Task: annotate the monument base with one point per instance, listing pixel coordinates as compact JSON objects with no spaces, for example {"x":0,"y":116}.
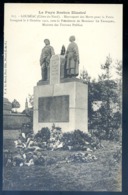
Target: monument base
{"x":64,"y":104}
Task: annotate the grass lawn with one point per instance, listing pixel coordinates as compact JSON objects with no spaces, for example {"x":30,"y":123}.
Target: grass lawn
{"x":101,"y":175}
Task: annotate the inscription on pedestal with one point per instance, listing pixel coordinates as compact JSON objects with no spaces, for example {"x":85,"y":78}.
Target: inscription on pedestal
{"x":53,"y":109}
{"x":55,"y":69}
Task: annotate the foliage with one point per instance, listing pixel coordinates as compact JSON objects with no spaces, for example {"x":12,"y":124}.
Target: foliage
{"x":79,"y":140}
{"x":31,"y":100}
{"x":66,"y":176}
{"x":119,"y":68}
{"x":29,"y":113}
{"x":107,"y":119}
{"x":114,"y":134}
{"x":85,"y":77}
{"x":109,"y":96}
{"x":15,"y":105}
{"x":44,"y":134}
{"x":73,"y":138}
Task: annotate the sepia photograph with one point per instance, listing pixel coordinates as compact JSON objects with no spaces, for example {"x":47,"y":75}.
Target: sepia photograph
{"x":62,"y":97}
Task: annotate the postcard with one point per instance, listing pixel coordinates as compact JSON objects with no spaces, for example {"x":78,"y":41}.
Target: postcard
{"x":62,"y":101}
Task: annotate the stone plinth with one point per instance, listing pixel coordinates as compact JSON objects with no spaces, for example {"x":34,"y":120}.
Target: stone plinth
{"x":62,"y":101}
{"x":57,"y":64}
{"x":64,"y":104}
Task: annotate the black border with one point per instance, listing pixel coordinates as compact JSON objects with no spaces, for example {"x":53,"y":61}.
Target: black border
{"x":125,"y":92}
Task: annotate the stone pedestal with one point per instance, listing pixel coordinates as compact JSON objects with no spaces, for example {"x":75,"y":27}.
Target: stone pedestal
{"x":63,"y":102}
{"x":57,"y":64}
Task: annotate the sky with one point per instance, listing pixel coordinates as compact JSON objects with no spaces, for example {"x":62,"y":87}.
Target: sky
{"x":25,"y":41}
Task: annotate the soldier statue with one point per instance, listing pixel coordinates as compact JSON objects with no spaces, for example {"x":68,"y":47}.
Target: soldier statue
{"x":72,"y":59}
{"x":45,"y":57}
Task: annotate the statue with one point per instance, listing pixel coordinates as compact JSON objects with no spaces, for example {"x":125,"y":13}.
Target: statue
{"x":72,"y":59}
{"x":45,"y":57}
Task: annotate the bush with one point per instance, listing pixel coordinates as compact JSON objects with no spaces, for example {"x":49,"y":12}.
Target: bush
{"x":67,"y":139}
{"x":106,"y":127}
{"x":113,"y":134}
{"x":43,"y":134}
{"x":101,"y":134}
{"x":78,"y":139}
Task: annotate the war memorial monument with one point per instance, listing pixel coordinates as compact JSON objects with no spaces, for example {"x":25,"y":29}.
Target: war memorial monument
{"x":59,"y":97}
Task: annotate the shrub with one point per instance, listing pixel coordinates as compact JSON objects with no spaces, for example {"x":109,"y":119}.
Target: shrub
{"x":114,"y":134}
{"x":44,"y":134}
{"x":78,"y":139}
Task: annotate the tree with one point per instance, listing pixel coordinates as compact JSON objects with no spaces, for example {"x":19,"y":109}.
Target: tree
{"x":85,"y":77}
{"x":105,"y":120}
{"x":109,"y":97}
{"x":31,"y":100}
{"x":15,"y":105}
{"x":118,"y":68}
{"x":104,"y":81}
{"x":29,"y":107}
{"x":29,"y":111}
{"x":93,"y":95}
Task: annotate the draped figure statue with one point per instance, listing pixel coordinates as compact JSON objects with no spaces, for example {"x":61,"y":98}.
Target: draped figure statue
{"x":72,"y":59}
